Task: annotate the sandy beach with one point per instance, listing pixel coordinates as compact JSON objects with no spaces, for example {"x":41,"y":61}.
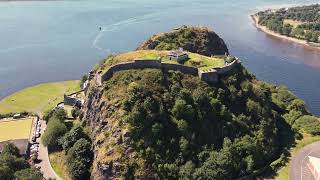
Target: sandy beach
{"x":255,"y":19}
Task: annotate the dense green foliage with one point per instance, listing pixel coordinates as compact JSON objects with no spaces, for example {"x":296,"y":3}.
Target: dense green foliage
{"x":79,"y":159}
{"x":308,"y":29}
{"x":13,"y":166}
{"x":57,"y":113}
{"x":29,"y":174}
{"x":183,"y":127}
{"x":310,"y":124}
{"x":55,"y":130}
{"x":71,"y":137}
{"x":193,"y":39}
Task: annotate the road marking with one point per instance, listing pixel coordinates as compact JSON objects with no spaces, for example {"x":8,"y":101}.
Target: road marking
{"x":302,"y":163}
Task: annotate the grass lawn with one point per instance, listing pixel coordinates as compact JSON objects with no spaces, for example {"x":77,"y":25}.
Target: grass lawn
{"x":59,"y":164}
{"x":151,"y":56}
{"x":15,"y":129}
{"x":38,"y":98}
{"x":195,"y":60}
{"x":283,"y":173}
{"x":292,"y":22}
{"x":204,"y":62}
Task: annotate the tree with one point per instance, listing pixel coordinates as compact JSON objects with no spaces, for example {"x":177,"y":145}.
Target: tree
{"x":286,"y":30}
{"x":308,"y":35}
{"x":29,"y":174}
{"x":72,"y":137}
{"x":11,"y":149}
{"x":315,"y":36}
{"x":55,"y":130}
{"x":58,"y":113}
{"x":79,"y":159}
{"x":182,"y":110}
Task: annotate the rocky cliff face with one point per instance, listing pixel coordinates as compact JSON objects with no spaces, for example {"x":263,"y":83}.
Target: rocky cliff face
{"x":199,"y":40}
{"x":104,"y":119}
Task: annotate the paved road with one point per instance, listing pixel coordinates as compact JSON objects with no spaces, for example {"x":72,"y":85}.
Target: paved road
{"x":45,"y":165}
{"x":298,"y":164}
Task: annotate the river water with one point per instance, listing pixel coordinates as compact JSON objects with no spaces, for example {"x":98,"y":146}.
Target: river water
{"x":60,"y":40}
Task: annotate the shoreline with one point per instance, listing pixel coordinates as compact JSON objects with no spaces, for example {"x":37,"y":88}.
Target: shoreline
{"x":264,"y":29}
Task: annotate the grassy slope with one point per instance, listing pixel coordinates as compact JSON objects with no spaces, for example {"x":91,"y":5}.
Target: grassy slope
{"x":16,"y":129}
{"x":283,"y":173}
{"x":59,"y":164}
{"x":38,"y":98}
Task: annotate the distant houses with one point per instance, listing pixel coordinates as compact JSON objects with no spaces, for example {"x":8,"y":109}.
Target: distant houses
{"x":180,"y":55}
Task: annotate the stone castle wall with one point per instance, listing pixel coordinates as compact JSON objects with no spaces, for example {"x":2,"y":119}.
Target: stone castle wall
{"x":210,"y":76}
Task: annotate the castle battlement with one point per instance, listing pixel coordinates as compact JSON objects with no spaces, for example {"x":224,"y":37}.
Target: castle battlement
{"x":210,"y":76}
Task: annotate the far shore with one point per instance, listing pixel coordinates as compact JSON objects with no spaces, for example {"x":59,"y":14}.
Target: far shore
{"x":255,"y":19}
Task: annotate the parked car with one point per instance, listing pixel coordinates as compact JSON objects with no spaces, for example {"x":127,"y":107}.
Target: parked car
{"x":37,"y":135}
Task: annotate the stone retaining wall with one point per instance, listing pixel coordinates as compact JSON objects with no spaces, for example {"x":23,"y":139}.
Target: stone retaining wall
{"x":210,"y":76}
{"x":71,"y":101}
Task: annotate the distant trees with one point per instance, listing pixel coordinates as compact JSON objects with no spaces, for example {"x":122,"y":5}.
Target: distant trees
{"x":309,"y":29}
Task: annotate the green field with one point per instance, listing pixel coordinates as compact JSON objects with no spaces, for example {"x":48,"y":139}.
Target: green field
{"x":38,"y":98}
{"x":15,"y":129}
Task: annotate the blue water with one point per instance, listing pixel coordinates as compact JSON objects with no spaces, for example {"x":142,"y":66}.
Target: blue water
{"x":60,"y":40}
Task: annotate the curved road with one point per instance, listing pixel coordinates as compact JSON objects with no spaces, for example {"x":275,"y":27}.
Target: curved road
{"x":298,"y":164}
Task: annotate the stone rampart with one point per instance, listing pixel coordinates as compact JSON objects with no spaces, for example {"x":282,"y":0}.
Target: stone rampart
{"x":227,"y":67}
{"x":210,"y":76}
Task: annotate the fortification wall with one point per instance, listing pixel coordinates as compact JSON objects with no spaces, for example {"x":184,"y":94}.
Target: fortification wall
{"x":227,"y":67}
{"x":178,"y":67}
{"x":210,"y":76}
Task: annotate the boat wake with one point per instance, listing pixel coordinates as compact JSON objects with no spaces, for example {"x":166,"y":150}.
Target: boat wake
{"x":121,"y":24}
